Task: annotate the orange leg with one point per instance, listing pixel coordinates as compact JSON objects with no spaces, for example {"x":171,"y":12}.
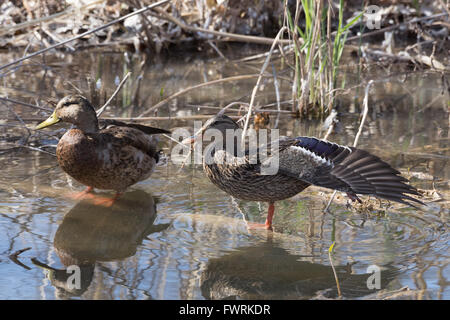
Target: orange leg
{"x":269,"y":218}
{"x":106,"y":202}
{"x":86,"y":193}
{"x":268,"y":224}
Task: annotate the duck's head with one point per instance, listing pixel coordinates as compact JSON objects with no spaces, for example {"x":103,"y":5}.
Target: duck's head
{"x":219,"y":122}
{"x":74,"y":109}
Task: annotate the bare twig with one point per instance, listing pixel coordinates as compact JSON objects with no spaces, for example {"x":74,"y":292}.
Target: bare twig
{"x":181,"y":92}
{"x":56,"y":38}
{"x":365,"y":111}
{"x":259,"y":110}
{"x":19,"y":65}
{"x":100,"y":111}
{"x":38,"y":149}
{"x":255,"y":89}
{"x":74,"y":87}
{"x":25,"y":104}
{"x":330,"y":201}
{"x":329,"y":131}
{"x":277,"y":94}
{"x":262,"y":55}
{"x":217,"y":50}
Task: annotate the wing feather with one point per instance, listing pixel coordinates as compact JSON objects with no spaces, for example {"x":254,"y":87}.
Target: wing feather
{"x":342,"y":168}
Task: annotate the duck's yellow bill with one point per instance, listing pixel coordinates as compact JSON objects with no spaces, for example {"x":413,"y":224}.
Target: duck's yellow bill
{"x":50,"y":121}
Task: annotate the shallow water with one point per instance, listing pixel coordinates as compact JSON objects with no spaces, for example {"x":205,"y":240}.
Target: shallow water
{"x":176,"y":236}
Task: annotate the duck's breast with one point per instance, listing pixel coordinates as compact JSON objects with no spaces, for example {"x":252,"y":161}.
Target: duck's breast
{"x":103,"y":161}
{"x":77,"y":155}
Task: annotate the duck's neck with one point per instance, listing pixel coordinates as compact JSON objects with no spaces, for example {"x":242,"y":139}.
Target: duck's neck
{"x":88,"y":125}
{"x":235,"y":145}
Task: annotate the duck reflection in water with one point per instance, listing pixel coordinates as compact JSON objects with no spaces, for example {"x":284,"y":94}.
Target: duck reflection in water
{"x":267,"y":271}
{"x":91,"y":233}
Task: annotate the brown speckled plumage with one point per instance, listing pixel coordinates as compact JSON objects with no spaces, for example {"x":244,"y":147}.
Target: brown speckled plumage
{"x":303,"y":161}
{"x":114,"y":157}
{"x":245,"y":182}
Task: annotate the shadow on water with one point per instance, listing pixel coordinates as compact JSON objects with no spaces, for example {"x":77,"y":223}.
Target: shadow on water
{"x":90,"y":233}
{"x":267,"y":271}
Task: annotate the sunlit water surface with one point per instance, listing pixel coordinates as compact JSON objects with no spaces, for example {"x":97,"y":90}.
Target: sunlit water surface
{"x":177,"y":236}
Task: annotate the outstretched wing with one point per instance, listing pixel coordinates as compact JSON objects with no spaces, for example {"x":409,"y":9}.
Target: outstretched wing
{"x":342,"y":168}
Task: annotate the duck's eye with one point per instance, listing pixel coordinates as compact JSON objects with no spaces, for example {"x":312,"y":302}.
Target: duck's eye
{"x":66,"y":104}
